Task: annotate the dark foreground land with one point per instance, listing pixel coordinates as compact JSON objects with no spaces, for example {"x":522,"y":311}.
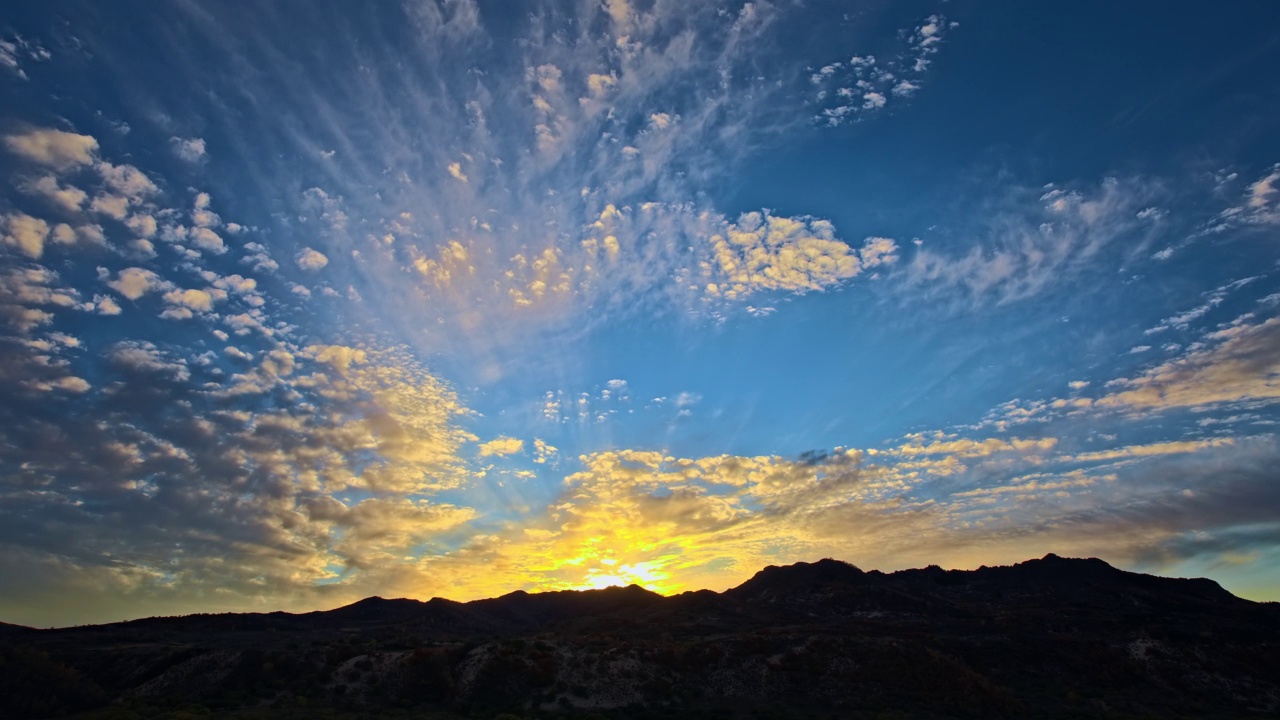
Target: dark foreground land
{"x":1049,"y":638}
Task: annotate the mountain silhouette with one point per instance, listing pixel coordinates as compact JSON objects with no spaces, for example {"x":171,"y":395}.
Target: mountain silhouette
{"x":1051,"y":637}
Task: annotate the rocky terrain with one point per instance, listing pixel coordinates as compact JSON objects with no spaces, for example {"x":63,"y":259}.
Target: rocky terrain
{"x":1052,"y":638}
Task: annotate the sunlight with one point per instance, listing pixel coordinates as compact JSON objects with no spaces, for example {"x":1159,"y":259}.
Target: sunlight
{"x":643,"y":574}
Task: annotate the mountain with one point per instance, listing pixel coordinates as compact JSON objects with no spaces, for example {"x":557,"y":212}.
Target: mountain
{"x":1052,"y":637}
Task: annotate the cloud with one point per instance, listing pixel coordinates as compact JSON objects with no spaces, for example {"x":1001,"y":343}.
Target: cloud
{"x":113,"y":206}
{"x":25,"y":233}
{"x":1176,"y":447}
{"x":72,"y":384}
{"x":376,"y":530}
{"x":671,"y":523}
{"x":847,"y":89}
{"x":105,"y":305}
{"x":191,"y":150}
{"x":126,"y":181}
{"x":202,"y":216}
{"x":53,"y":148}
{"x":763,"y":252}
{"x":25,"y":292}
{"x":1025,"y":246}
{"x":526,"y":266}
{"x":134,"y":282}
{"x":259,"y":258}
{"x":340,"y":357}
{"x":251,"y":497}
{"x":68,"y":198}
{"x":450,"y":23}
{"x":1262,"y":194}
{"x":144,"y":358}
{"x":197,"y":300}
{"x":311,"y":259}
{"x":261,"y":453}
{"x":1260,"y":205}
{"x":208,"y":240}
{"x":15,"y":49}
{"x":655,"y":254}
{"x":1234,"y":365}
{"x":143,"y":225}
{"x":501,"y":446}
{"x":1239,"y":363}
{"x":1213,"y":299}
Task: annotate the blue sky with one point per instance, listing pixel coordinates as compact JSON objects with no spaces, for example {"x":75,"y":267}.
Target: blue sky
{"x":304,"y":302}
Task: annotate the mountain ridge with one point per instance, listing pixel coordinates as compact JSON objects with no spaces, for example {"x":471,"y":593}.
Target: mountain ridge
{"x":811,"y":637}
{"x":825,"y":568}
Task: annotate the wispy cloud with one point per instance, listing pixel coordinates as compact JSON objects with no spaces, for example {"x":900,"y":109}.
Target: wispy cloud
{"x":16,"y":50}
{"x":584,"y":194}
{"x":1036,"y":239}
{"x":1259,"y":206}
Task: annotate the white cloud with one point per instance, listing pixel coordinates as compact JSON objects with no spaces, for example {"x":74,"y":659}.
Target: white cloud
{"x":455,"y":169}
{"x":92,"y":234}
{"x":73,"y":384}
{"x":25,"y":233}
{"x":127,"y":181}
{"x":339,"y":357}
{"x":190,"y":149}
{"x":134,"y":282}
{"x":208,"y":240}
{"x":202,"y":216}
{"x":501,"y":446}
{"x":54,"y":148}
{"x":142,"y":249}
{"x":878,"y":251}
{"x":237,"y":284}
{"x":105,"y":305}
{"x":68,"y":198}
{"x":63,"y":234}
{"x":115,"y":207}
{"x":197,"y":300}
{"x":330,"y":208}
{"x":143,"y":225}
{"x":311,"y":259}
{"x":258,"y":258}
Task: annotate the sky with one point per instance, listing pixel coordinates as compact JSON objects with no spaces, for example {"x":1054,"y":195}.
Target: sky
{"x":303,"y":302}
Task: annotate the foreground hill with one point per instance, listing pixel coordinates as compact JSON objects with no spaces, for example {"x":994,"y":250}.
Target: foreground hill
{"x":1052,"y":637}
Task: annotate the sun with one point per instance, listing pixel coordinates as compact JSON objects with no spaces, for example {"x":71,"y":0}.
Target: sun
{"x":644,"y":574}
